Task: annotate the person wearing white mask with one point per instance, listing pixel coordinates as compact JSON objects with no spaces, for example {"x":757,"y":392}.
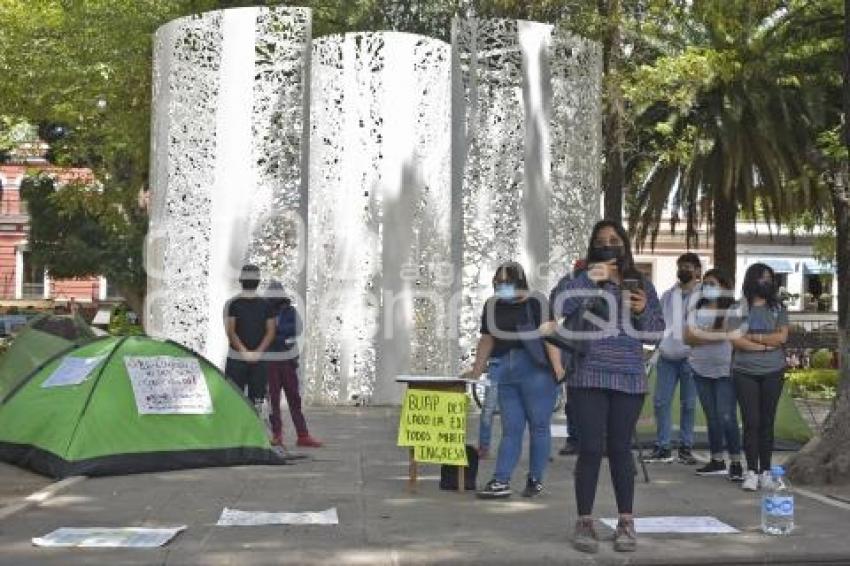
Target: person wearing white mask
{"x":525,"y":368}
{"x":710,"y":360}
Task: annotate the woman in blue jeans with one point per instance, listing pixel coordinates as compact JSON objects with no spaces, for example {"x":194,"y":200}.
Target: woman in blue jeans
{"x":710,"y":359}
{"x":525,"y":369}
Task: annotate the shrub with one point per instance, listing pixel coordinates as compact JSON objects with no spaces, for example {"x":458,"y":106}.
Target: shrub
{"x":813,"y":382}
{"x":120,"y":325}
{"x":822,"y":359}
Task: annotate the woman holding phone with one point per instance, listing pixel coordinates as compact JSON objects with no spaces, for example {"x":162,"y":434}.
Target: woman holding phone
{"x":609,"y":383}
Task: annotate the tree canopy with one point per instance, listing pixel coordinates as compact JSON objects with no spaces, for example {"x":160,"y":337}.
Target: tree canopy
{"x":730,"y":110}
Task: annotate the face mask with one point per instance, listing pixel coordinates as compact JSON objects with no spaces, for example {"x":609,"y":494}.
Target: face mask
{"x":684,"y":276}
{"x":766,"y":289}
{"x":506,"y":291}
{"x":711,"y":292}
{"x":606,"y":253}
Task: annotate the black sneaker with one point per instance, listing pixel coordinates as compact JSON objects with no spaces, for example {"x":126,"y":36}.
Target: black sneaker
{"x":713,"y":468}
{"x":570,"y":448}
{"x":685,"y":456}
{"x":533,"y":488}
{"x":736,"y":472}
{"x":664,"y":455}
{"x":495,"y":489}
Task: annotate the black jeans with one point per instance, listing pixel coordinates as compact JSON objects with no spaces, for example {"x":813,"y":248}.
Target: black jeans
{"x":570,"y":412}
{"x":253,"y":376}
{"x":613,"y":414}
{"x":758,"y":396}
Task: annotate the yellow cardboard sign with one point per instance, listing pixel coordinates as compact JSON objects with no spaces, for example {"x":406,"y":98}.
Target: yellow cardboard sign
{"x":434,"y":424}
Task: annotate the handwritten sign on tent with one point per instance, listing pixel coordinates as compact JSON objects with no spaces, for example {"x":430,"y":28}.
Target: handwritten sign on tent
{"x":166,"y":385}
{"x":433,"y":423}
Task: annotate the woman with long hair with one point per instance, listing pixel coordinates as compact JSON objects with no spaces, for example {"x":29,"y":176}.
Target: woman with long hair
{"x":758,"y":369}
{"x":710,"y":359}
{"x":525,"y":367}
{"x":609,"y":383}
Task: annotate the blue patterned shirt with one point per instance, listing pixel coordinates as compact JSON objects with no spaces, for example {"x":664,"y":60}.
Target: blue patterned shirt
{"x":614,"y":360}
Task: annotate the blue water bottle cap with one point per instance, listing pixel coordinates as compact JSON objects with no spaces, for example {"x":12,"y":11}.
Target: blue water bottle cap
{"x":777,"y":471}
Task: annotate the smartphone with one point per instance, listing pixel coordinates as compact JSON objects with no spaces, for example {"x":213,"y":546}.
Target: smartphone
{"x":631,"y":284}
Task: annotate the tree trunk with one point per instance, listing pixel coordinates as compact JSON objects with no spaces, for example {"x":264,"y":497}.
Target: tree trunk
{"x":725,"y":216}
{"x":613,"y":174}
{"x":826,"y":458}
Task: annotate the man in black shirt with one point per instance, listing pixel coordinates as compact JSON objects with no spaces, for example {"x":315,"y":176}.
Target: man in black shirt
{"x":250,"y":324}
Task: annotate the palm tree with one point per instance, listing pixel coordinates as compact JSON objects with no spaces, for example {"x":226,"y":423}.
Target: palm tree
{"x":729,"y":124}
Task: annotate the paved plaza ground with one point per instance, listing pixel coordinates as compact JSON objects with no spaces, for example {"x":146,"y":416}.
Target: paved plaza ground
{"x":364,"y":475}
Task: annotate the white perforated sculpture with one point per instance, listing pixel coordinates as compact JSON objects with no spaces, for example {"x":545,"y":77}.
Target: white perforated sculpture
{"x":381,"y":177}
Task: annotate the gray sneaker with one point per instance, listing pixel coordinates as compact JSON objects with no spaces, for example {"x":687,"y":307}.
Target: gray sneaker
{"x":585,"y":538}
{"x":625,"y":538}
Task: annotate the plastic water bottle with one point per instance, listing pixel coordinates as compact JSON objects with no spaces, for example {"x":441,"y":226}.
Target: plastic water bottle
{"x":777,"y":505}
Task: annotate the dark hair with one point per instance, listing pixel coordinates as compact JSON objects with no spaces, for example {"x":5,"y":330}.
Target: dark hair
{"x":249,"y":277}
{"x":723,"y":303}
{"x":750,"y":287}
{"x":628,"y":263}
{"x":514,"y":273}
{"x":275,"y":295}
{"x":691,"y":258}
{"x":719,"y":274}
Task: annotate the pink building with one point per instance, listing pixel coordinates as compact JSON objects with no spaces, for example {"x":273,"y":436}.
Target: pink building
{"x":22,"y":283}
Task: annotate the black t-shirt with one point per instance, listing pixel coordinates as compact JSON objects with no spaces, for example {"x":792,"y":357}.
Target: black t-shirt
{"x":251,"y":314}
{"x":504,"y":316}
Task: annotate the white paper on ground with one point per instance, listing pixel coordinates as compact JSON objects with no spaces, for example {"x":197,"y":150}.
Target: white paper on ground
{"x":559,"y":431}
{"x":693,"y":525}
{"x":237,"y":518}
{"x":72,"y":371}
{"x":127,"y":537}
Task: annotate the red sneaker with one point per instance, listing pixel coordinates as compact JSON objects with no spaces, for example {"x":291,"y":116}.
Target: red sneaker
{"x":308,"y":442}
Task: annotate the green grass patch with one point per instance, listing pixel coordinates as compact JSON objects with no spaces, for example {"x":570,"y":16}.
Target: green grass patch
{"x":813,"y":383}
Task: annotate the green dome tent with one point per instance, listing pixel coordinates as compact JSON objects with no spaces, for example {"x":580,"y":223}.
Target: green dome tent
{"x":41,"y":339}
{"x":129,"y":405}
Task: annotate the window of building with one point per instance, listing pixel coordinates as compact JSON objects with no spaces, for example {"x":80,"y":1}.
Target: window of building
{"x":112,"y":292}
{"x":817,"y":292}
{"x":33,"y":278}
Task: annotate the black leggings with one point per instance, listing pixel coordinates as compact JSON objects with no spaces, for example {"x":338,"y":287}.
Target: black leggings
{"x":758,"y":396}
{"x":600,"y":412}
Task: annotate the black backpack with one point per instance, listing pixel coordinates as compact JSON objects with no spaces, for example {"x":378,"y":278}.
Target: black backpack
{"x":448,"y":473}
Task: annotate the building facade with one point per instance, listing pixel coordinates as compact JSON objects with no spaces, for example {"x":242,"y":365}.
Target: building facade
{"x":22,"y":282}
{"x":809,"y":285}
